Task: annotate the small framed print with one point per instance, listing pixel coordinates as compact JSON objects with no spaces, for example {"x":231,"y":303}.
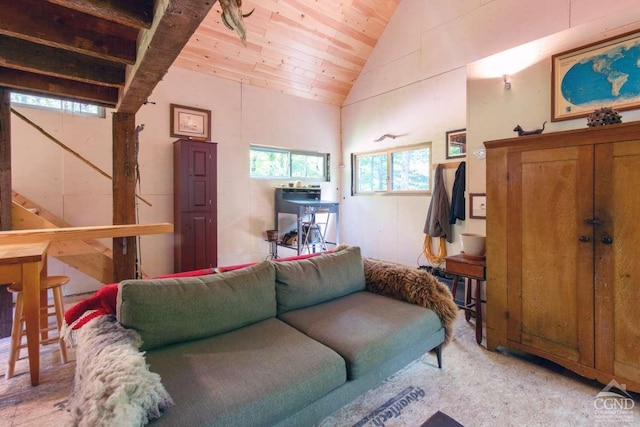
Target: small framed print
{"x":189,"y":122}
{"x":478,"y":205}
{"x":456,"y":143}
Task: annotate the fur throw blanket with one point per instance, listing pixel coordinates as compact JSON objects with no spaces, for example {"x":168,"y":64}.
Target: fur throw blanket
{"x":412,"y":285}
{"x":113,"y":387}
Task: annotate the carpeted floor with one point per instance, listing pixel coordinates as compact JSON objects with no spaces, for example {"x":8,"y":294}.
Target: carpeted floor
{"x":475,"y":387}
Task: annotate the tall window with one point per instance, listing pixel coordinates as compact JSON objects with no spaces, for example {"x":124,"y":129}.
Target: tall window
{"x":275,"y":163}
{"x":402,"y":169}
{"x":57,"y":104}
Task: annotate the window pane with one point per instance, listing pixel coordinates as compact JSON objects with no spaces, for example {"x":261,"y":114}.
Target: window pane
{"x":307,"y":166}
{"x":372,"y":173}
{"x":410,"y":170}
{"x":264,"y":163}
{"x":57,"y":104}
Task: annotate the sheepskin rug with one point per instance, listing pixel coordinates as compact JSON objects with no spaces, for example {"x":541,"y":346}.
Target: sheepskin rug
{"x":113,"y":387}
{"x":412,"y":285}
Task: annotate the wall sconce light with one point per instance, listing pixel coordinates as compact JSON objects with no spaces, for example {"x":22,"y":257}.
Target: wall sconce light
{"x":507,"y":83}
{"x":480,"y":153}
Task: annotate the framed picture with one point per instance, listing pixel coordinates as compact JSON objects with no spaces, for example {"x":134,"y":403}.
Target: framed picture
{"x":602,"y":74}
{"x":189,"y":122}
{"x":456,"y":143}
{"x":478,"y":205}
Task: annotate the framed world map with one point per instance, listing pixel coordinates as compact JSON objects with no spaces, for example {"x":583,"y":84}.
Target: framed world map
{"x":602,"y":74}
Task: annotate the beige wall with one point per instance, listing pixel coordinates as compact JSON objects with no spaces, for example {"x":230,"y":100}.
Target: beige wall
{"x":423,"y":79}
{"x":416,"y":83}
{"x":240,"y":115}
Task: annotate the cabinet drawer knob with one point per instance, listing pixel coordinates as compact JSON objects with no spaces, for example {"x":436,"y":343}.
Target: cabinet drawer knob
{"x":607,"y":240}
{"x":585,"y":239}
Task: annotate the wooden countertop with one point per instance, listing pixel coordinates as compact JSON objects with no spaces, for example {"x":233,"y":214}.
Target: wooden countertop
{"x":23,"y":252}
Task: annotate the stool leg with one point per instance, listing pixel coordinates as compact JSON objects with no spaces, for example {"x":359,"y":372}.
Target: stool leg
{"x":59,"y":307}
{"x":44,"y":318}
{"x":16,"y":338}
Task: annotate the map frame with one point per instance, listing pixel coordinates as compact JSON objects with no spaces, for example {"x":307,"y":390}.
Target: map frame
{"x":561,"y":108}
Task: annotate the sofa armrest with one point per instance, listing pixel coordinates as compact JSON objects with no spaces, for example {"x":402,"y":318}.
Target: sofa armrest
{"x":414,"y":286}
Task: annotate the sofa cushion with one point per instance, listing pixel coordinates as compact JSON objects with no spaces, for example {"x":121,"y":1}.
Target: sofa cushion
{"x":303,"y":283}
{"x":257,"y":375}
{"x":168,"y":311}
{"x":366,"y":329}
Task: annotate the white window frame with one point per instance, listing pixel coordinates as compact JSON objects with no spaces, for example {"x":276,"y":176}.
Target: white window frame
{"x":388,"y":185}
{"x":324,"y":156}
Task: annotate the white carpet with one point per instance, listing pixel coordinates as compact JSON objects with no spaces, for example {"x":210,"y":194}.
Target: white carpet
{"x":477,"y":387}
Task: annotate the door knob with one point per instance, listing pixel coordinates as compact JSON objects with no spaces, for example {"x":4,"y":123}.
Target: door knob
{"x":606,"y":239}
{"x":585,"y":239}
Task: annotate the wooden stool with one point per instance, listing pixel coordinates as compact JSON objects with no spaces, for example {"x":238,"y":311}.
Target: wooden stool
{"x":54,"y":283}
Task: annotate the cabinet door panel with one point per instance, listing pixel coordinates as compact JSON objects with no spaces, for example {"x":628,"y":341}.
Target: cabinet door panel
{"x":198,"y":241}
{"x":551,"y":283}
{"x":201,"y":168}
{"x":618,"y":259}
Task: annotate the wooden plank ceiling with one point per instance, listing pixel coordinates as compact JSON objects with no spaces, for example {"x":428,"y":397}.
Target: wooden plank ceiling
{"x":108,"y":52}
{"x":114,"y":52}
{"x":309,"y":48}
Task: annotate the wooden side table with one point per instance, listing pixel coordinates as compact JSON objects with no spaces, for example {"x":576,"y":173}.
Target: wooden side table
{"x":471,"y":268}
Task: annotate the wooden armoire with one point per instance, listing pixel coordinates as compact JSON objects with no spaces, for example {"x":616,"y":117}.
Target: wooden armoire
{"x":195,"y":205}
{"x":563,"y":249}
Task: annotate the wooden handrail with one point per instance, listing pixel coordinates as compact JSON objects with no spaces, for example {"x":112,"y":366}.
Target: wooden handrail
{"x":69,"y":150}
{"x":82,"y":233}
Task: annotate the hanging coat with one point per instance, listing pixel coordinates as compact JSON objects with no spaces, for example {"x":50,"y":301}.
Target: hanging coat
{"x":457,"y":195}
{"x":437,"y":223}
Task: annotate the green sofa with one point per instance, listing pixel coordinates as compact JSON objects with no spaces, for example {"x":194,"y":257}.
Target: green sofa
{"x":276,"y":343}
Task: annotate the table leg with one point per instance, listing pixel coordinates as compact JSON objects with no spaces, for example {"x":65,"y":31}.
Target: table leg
{"x":31,"y":298}
{"x":478,"y":313}
{"x":467,"y":297}
{"x":454,"y":287}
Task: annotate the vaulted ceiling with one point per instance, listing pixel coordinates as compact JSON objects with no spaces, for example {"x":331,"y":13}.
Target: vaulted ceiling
{"x":309,"y":48}
{"x":114,"y":52}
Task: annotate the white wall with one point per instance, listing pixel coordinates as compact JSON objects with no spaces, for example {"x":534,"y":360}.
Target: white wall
{"x":493,"y":112}
{"x":415,"y":82}
{"x":240,"y":115}
{"x":422,"y":79}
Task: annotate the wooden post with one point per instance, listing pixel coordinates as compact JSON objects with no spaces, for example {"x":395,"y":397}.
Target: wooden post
{"x":6,"y":299}
{"x":124,"y":193}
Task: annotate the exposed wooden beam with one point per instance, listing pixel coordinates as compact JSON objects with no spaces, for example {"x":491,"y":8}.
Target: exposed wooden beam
{"x":68,"y":29}
{"x":5,"y":158}
{"x":40,"y":84}
{"x":125,"y":164}
{"x":32,"y":57}
{"x":6,"y":300}
{"x":173,"y":24}
{"x":132,"y":13}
